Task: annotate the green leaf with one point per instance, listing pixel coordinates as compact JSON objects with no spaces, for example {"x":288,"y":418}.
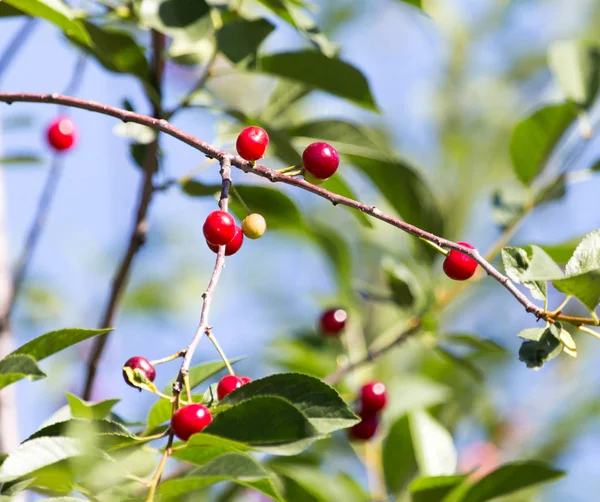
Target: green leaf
{"x":462,"y":363}
{"x":405,"y":287}
{"x":285,"y":94}
{"x":41,"y":452}
{"x":414,"y":3}
{"x":561,"y":252}
{"x":46,"y":345}
{"x":336,"y":184}
{"x":86,"y":409}
{"x":269,"y":423}
{"x":291,"y":12}
{"x":297,"y":355}
{"x":541,"y":346}
{"x":334,"y":247}
{"x":235,"y":467}
{"x":76,"y":427}
{"x":241,"y":38}
{"x":576,"y":66}
{"x":321,"y":404}
{"x":434,"y":488}
{"x":16,"y":367}
{"x":398,"y":456}
{"x":17,"y":160}
{"x":56,"y":12}
{"x":203,"y":448}
{"x":433,"y":444}
{"x":507,"y":479}
{"x":117,"y":51}
{"x":534,"y":138}
{"x":321,"y":72}
{"x":583,"y":272}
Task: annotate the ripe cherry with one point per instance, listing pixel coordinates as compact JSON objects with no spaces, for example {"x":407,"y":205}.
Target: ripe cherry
{"x":254,"y":226}
{"x":61,"y":134}
{"x":365,"y":429}
{"x":233,"y":246}
{"x":252,"y":143}
{"x":227,"y":385}
{"x":142,"y":364}
{"x":321,"y":160}
{"x":189,"y":420}
{"x":373,"y":398}
{"x":219,"y":228}
{"x":459,"y":266}
{"x":333,"y":321}
{"x":245,"y":380}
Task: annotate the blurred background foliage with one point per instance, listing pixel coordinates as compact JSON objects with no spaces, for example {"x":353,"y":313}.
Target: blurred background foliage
{"x":472,"y":119}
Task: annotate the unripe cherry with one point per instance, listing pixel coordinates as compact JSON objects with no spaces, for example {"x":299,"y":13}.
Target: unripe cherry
{"x":142,"y":364}
{"x":311,"y":179}
{"x":333,"y":321}
{"x":189,"y":420}
{"x":459,"y":266}
{"x":321,"y":160}
{"x":254,"y":226}
{"x":373,"y":398}
{"x":233,"y":246}
{"x":219,"y":228}
{"x":252,"y":143}
{"x":61,"y":134}
{"x":365,"y":429}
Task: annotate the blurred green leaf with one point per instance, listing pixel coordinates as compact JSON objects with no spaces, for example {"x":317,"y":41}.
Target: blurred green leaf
{"x":269,"y":423}
{"x":285,"y":94}
{"x":475,"y":342}
{"x":203,"y":448}
{"x":56,"y":12}
{"x":433,"y":489}
{"x":298,"y":356}
{"x":318,"y":402}
{"x":334,"y":247}
{"x":433,"y":445}
{"x":336,"y":184}
{"x":241,"y":38}
{"x":331,"y":75}
{"x":398,"y":456}
{"x":534,"y":138}
{"x":18,"y":160}
{"x":85,"y":409}
{"x":462,"y":363}
{"x":16,"y":367}
{"x":507,"y":479}
{"x":404,"y":285}
{"x":576,"y":66}
{"x":235,"y":467}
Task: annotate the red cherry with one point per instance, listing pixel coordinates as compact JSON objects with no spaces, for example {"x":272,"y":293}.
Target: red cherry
{"x":189,"y":420}
{"x":252,"y":143}
{"x":321,"y":160}
{"x":333,"y":321}
{"x":219,"y":228}
{"x":227,"y":385}
{"x":373,"y":398}
{"x":365,"y":429}
{"x":245,"y":380}
{"x":233,"y":246}
{"x":459,"y":266}
{"x":142,"y":364}
{"x":61,"y":134}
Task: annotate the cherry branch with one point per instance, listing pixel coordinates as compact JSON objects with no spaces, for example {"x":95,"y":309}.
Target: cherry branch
{"x":275,"y":177}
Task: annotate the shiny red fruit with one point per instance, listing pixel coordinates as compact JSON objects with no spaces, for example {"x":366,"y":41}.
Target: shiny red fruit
{"x":142,"y":364}
{"x":333,"y":321}
{"x":365,"y":429}
{"x":189,"y":420}
{"x":321,"y":160}
{"x":373,"y":398}
{"x":459,"y":266}
{"x":252,"y":143}
{"x":245,"y":380}
{"x":61,"y":134}
{"x":233,"y":246}
{"x":219,"y":228}
{"x":227,"y":385}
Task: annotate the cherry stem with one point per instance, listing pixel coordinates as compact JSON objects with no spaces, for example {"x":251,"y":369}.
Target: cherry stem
{"x":589,"y":331}
{"x":439,"y":249}
{"x":214,"y":341}
{"x":559,"y":309}
{"x":167,"y":359}
{"x":240,"y":199}
{"x":290,"y":169}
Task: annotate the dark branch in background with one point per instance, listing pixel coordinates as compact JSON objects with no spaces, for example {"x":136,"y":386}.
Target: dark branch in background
{"x":16,"y":44}
{"x":139,"y":230}
{"x":264,"y":172}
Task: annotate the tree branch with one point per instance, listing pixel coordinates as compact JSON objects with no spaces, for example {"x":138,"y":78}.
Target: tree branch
{"x":264,"y":172}
{"x":137,"y":236}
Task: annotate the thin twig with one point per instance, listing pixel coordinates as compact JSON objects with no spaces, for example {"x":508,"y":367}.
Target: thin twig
{"x":137,"y":236}
{"x":372,"y":354}
{"x":264,"y":172}
{"x":16,"y":44}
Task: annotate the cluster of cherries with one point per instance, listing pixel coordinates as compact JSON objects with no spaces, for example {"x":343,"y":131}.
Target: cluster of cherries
{"x":372,"y":397}
{"x":191,"y":418}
